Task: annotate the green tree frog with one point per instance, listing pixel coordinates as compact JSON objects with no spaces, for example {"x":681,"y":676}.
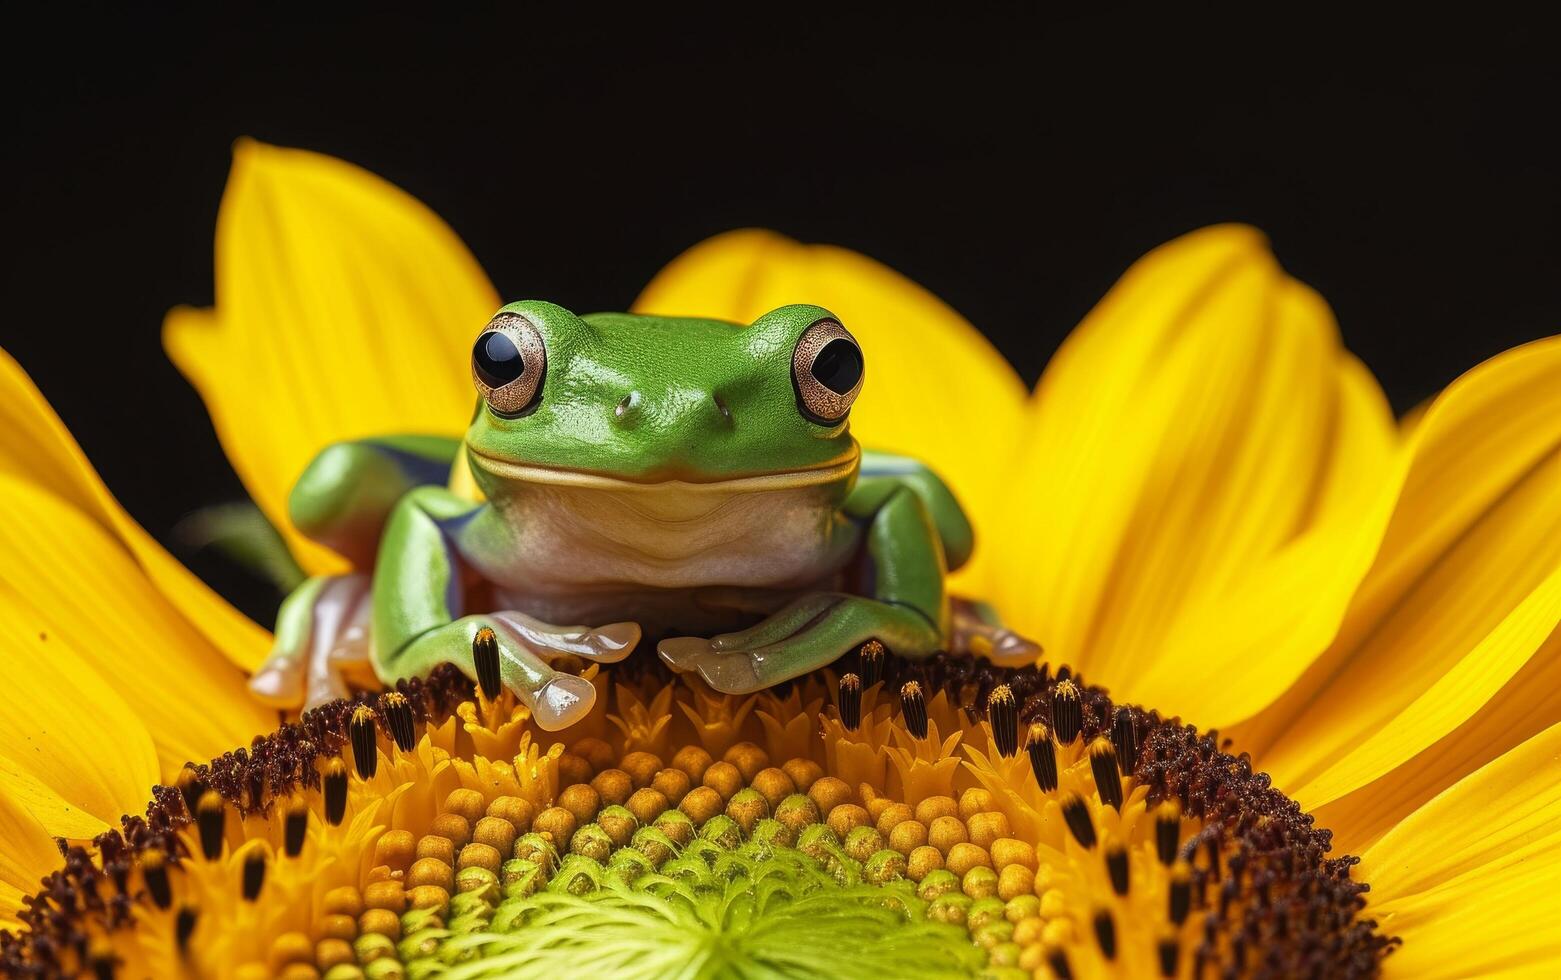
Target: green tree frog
{"x":690,"y":480}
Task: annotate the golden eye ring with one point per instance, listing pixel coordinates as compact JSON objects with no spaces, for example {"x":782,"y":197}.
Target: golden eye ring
{"x":827,"y":370}
{"x":509,"y":361}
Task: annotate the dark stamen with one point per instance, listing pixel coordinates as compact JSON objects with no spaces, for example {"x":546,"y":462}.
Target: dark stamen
{"x":191,"y":786}
{"x":1168,"y":830}
{"x":254,"y":874}
{"x":1043,"y":757}
{"x":1230,"y":890}
{"x":1189,"y":849}
{"x":1116,"y":867}
{"x":1076,"y":815}
{"x":118,"y":869}
{"x":398,"y":715}
{"x":913,"y":707}
{"x":183,"y":926}
{"x":970,"y":702}
{"x":294,"y":827}
{"x":485,"y":657}
{"x":103,"y":960}
{"x":1067,"y":712}
{"x":870,"y":662}
{"x":1106,"y":934}
{"x":335,"y":781}
{"x":154,"y":871}
{"x":1002,"y":711}
{"x":1057,"y":959}
{"x":1124,"y":735}
{"x":209,"y":814}
{"x":850,"y":702}
{"x":365,"y":751}
{"x":1180,"y":896}
{"x":1170,"y":952}
{"x":1108,"y":780}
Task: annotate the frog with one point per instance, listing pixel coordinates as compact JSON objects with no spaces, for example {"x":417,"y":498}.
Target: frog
{"x":685,"y":483}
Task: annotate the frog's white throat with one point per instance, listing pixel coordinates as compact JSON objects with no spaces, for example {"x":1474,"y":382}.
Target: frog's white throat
{"x":574,"y":532}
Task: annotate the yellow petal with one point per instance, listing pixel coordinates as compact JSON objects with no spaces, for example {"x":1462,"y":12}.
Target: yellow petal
{"x":1456,"y":602}
{"x":935,"y":390}
{"x":35,"y":447}
{"x":79,"y":587}
{"x":1188,"y":436}
{"x":1480,"y":683}
{"x":53,"y":808}
{"x":1528,"y":702}
{"x":1231,"y":654}
{"x":1471,"y":881}
{"x":1505,"y":804}
{"x":67,"y":730}
{"x":345,"y":308}
{"x":27,"y":856}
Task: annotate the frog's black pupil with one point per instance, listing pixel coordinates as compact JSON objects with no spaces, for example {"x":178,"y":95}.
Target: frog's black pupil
{"x":838,"y":366}
{"x":497,"y":359}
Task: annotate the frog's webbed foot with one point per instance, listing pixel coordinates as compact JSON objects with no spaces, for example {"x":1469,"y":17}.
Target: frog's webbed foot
{"x":807,"y":634}
{"x":526,"y":648}
{"x":603,"y":644}
{"x":322,"y":650}
{"x":978,"y":632}
{"x":321,"y":646}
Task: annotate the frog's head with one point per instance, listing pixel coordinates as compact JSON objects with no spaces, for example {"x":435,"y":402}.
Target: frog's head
{"x":620,"y":397}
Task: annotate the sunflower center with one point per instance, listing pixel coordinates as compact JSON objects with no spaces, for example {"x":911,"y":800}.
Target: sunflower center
{"x":720,"y":908}
{"x":942,"y":818}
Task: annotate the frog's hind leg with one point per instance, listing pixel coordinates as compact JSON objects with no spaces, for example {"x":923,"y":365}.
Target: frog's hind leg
{"x":346,"y":493}
{"x":342,"y":500}
{"x":321,"y":647}
{"x":976,"y":629}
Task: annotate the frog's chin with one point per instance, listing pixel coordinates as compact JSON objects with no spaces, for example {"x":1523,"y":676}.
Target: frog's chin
{"x":831,"y":471}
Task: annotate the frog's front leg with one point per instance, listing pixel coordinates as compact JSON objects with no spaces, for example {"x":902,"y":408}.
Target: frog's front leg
{"x":420,"y":620}
{"x":321,"y":647}
{"x":908,"y":611}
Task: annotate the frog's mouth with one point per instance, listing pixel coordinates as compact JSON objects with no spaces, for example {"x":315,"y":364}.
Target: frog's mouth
{"x":837,"y":469}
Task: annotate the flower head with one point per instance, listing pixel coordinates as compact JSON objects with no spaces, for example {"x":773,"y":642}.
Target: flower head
{"x":376,"y":832}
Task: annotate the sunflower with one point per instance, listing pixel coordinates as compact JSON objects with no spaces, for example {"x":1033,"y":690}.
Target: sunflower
{"x":1280,"y":628}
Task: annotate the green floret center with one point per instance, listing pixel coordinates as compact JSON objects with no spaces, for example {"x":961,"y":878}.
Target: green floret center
{"x":758,"y":910}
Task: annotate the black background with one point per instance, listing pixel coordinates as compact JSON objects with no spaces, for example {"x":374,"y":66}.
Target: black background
{"x":1011,"y":162}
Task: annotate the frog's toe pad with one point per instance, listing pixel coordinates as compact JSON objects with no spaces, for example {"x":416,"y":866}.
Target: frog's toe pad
{"x":563,"y":701}
{"x":615,"y":641}
{"x":279,"y":683}
{"x":1009,"y":647}
{"x":729,"y":672}
{"x":682,"y":653}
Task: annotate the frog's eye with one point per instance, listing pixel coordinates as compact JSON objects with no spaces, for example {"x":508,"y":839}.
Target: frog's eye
{"x":827,"y":370}
{"x":508,"y":362}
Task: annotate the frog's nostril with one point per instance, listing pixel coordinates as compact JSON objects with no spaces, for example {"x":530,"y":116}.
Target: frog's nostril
{"x":720,"y":406}
{"x":627,"y":407}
